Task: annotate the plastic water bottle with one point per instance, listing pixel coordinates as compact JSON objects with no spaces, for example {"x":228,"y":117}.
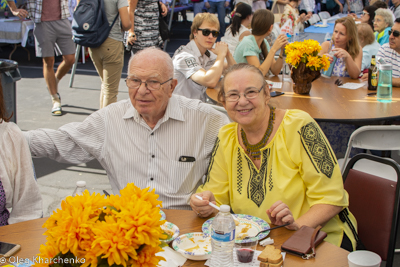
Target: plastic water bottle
{"x":222,"y":238}
{"x":289,"y":37}
{"x":296,"y":35}
{"x":328,"y":37}
{"x":384,"y":93}
{"x":80,"y":188}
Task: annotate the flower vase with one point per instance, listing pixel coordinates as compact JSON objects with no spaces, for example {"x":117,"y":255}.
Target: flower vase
{"x":302,"y":79}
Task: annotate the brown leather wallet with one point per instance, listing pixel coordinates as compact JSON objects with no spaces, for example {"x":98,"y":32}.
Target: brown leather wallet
{"x":303,"y":242}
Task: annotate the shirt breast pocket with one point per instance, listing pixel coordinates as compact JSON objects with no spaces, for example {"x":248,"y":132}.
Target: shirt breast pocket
{"x":181,"y":175}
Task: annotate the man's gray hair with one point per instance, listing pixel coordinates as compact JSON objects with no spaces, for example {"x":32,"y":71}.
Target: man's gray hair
{"x":386,"y":14}
{"x":152,"y":54}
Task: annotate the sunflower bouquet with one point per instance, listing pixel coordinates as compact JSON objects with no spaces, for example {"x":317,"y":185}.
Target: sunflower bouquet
{"x":91,"y":230}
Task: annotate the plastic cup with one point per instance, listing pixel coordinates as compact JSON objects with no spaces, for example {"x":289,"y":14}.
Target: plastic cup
{"x":324,"y":22}
{"x":245,"y":249}
{"x":364,"y":258}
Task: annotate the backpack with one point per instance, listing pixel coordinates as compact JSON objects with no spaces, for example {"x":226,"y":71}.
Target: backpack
{"x":90,"y":26}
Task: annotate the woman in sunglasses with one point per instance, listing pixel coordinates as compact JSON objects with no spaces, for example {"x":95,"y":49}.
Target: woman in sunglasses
{"x":199,"y":64}
{"x":255,"y":50}
{"x":265,"y":163}
{"x":367,"y":16}
{"x":345,"y":47}
{"x":382,"y":23}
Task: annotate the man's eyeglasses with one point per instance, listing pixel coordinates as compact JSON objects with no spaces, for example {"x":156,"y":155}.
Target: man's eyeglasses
{"x":206,"y":32}
{"x":365,"y":13}
{"x":152,"y":85}
{"x":395,"y":33}
{"x":250,"y":93}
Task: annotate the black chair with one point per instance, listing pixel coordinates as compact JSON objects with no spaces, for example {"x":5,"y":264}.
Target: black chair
{"x":374,"y":201}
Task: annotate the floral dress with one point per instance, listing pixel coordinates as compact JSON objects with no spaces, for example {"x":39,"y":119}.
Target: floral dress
{"x":339,"y":69}
{"x":293,"y":14}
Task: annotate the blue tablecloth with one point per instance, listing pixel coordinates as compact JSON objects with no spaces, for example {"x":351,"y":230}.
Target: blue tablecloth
{"x":313,"y":29}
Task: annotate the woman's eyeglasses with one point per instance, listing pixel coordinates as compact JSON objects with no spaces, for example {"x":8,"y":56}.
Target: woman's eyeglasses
{"x":206,"y":32}
{"x":395,"y":33}
{"x":365,"y":13}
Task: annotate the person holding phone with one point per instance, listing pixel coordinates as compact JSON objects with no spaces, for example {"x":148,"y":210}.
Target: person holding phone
{"x":19,"y":191}
{"x":199,"y":64}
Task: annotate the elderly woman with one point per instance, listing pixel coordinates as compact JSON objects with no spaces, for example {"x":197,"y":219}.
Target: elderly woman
{"x":346,"y":49}
{"x":18,"y":189}
{"x":198,"y":65}
{"x":255,"y":50}
{"x":383,"y":22}
{"x":291,"y":12}
{"x":239,"y":27}
{"x":368,"y":43}
{"x":264,"y":163}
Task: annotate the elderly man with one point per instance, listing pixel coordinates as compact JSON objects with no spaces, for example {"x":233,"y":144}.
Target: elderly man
{"x":154,"y":139}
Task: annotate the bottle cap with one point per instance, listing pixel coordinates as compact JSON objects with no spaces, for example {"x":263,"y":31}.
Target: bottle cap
{"x":225,"y":208}
{"x":385,"y":67}
{"x":81,"y":183}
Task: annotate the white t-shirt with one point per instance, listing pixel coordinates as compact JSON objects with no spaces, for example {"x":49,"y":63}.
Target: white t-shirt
{"x":231,"y":40}
{"x":188,"y":60}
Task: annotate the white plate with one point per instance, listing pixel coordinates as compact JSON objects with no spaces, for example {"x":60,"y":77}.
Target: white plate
{"x":194,"y":246}
{"x":170,"y":227}
{"x":321,"y":26}
{"x":249,"y":224}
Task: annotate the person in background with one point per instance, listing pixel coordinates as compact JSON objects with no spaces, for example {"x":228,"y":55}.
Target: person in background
{"x":335,"y":6}
{"x":379,"y":4}
{"x":346,"y":47}
{"x":108,"y":58}
{"x":390,"y":53}
{"x":240,"y":26}
{"x":382,"y":23}
{"x":20,"y":198}
{"x":355,"y":6}
{"x":198,"y":6}
{"x":218,"y":6}
{"x":198,"y":65}
{"x":307,"y":6}
{"x":368,"y":43}
{"x":253,"y":46}
{"x":367,"y":16}
{"x":396,"y":8}
{"x":265,"y":163}
{"x":280,"y":6}
{"x":52,"y":33}
{"x":259,"y":4}
{"x":291,"y":12}
{"x":145,"y":31}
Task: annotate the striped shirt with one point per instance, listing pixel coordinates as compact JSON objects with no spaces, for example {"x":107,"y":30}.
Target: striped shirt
{"x":391,"y":57}
{"x":34,"y":8}
{"x":130,"y":151}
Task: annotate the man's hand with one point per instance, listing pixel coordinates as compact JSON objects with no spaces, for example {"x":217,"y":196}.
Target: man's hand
{"x":164,"y":9}
{"x":226,"y":3}
{"x":220,"y":48}
{"x":207,"y":5}
{"x":341,"y":8}
{"x":21,"y":13}
{"x":131,"y":38}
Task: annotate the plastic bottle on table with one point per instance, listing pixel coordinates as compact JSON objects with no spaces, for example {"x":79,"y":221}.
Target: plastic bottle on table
{"x":222,"y":238}
{"x":384,"y":93}
{"x":328,"y":73}
{"x":80,"y":188}
{"x":328,"y":37}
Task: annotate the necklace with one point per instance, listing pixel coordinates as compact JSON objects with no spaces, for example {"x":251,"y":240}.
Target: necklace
{"x":253,"y":151}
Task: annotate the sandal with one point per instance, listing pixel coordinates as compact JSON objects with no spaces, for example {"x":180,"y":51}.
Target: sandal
{"x":56,"y":110}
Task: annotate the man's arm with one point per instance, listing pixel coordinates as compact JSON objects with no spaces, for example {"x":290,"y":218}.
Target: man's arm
{"x":396,"y":82}
{"x":131,"y":10}
{"x":21,"y":13}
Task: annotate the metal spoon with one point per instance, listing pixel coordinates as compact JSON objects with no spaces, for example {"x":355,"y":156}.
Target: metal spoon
{"x":263,"y":231}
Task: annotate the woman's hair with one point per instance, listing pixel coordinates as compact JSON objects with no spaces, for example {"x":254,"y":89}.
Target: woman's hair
{"x":199,"y":19}
{"x":242,"y":12}
{"x":371,"y":11}
{"x":386,"y":14}
{"x":365,"y":33}
{"x":378,"y":4}
{"x":353,"y":46}
{"x":240,"y":66}
{"x":3,"y":112}
{"x":262,"y":21}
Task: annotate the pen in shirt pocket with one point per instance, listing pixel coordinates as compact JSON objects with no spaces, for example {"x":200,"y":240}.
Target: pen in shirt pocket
{"x":187,"y":159}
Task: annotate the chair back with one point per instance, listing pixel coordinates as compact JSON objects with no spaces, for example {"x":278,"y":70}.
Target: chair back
{"x":375,"y":137}
{"x":374,"y":202}
{"x":324,"y":15}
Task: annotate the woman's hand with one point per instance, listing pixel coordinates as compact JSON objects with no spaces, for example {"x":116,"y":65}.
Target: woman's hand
{"x":164,"y":9}
{"x":341,"y":53}
{"x":280,"y":42}
{"x":279,"y":213}
{"x":220,"y":48}
{"x":201,"y":207}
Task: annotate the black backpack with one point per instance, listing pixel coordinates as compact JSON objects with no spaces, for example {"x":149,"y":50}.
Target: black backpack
{"x":90,"y":26}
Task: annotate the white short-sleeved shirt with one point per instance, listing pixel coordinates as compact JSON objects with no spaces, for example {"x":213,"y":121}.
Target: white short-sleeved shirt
{"x":391,"y":57}
{"x":188,"y":60}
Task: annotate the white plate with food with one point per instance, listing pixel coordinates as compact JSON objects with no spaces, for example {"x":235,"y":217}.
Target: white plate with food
{"x":194,"y":246}
{"x":246,"y":225}
{"x":171,"y":230}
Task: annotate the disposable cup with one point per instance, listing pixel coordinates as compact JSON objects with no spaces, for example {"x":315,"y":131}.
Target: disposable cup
{"x":245,"y":249}
{"x":364,"y":258}
{"x":324,"y":22}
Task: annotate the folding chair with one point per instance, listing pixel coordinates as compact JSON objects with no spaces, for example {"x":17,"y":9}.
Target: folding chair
{"x":374,"y":201}
{"x":316,"y":18}
{"x":324,"y":15}
{"x":374,"y":137}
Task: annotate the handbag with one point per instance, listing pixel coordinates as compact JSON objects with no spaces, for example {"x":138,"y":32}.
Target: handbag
{"x":303,"y":242}
{"x":163,"y":26}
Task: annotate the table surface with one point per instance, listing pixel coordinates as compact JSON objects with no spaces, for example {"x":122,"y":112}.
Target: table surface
{"x":29,"y":235}
{"x":327,"y":102}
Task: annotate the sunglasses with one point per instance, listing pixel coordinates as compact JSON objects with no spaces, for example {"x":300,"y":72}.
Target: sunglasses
{"x":365,"y":13}
{"x":395,"y":33}
{"x":206,"y":32}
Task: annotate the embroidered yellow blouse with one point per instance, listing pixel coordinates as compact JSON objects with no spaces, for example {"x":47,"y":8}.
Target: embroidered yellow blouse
{"x":298,"y":167}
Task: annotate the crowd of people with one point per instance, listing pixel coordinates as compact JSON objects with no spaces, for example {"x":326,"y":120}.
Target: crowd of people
{"x":258,"y":159}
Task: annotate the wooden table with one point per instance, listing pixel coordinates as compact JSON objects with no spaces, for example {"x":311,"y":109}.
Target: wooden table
{"x":327,"y":102}
{"x":30,"y":236}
